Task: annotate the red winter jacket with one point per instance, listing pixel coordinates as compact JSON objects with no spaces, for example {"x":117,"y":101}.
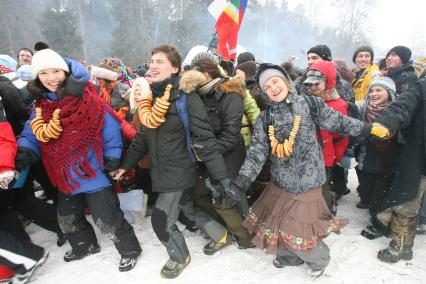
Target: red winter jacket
{"x":334,"y":144}
{"x":8,"y":147}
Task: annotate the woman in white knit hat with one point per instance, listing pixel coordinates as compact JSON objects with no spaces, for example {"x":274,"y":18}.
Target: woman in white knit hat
{"x":77,"y":136}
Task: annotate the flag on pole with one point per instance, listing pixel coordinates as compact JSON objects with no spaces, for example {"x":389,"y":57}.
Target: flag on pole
{"x":229,"y":16}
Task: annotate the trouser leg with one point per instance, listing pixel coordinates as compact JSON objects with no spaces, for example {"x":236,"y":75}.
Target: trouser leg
{"x":316,"y":259}
{"x":164,"y":217}
{"x":73,"y":223}
{"x":201,"y":219}
{"x":9,"y":222}
{"x":17,"y":254}
{"x":109,"y":218}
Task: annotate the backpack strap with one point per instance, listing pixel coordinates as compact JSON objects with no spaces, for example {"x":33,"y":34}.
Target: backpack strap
{"x":182,"y":109}
{"x":315,"y":112}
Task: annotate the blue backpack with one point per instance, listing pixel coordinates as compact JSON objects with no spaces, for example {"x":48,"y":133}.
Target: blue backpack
{"x":182,"y":109}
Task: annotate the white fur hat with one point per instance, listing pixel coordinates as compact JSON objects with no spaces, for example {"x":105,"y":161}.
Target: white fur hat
{"x":144,"y":90}
{"x":47,"y":58}
{"x":103,"y":73}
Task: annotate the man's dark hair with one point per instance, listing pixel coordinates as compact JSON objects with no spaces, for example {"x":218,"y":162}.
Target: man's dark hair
{"x":172,"y":54}
{"x":40,"y":46}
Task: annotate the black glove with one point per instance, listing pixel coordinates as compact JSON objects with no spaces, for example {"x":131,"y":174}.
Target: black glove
{"x":24,"y":158}
{"x":236,"y":191}
{"x":74,"y":86}
{"x":111,"y":164}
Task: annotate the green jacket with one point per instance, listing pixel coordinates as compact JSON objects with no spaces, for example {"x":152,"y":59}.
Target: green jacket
{"x":251,"y":112}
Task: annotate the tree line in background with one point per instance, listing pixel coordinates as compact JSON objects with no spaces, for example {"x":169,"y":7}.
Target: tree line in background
{"x":92,"y":29}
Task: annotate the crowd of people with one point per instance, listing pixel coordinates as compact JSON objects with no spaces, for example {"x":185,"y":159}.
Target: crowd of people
{"x":250,"y":153}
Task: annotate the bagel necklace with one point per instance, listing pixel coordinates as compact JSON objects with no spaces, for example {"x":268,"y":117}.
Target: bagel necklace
{"x":285,"y":149}
{"x":153,"y":116}
{"x":45,"y":131}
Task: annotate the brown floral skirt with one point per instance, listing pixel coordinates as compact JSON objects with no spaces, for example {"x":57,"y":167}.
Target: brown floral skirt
{"x":297,"y":222}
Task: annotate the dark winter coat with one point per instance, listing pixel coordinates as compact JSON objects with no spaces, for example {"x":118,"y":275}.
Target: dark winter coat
{"x":407,"y":112}
{"x":224,"y":104}
{"x":170,"y":165}
{"x":16,"y":109}
{"x":403,"y":76}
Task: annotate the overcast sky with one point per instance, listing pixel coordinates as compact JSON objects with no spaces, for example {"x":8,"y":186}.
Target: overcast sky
{"x":391,"y":22}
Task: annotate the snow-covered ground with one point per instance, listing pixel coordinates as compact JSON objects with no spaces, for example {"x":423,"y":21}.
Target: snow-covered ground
{"x":353,"y":259}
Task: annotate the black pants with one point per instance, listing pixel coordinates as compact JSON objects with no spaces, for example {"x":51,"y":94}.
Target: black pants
{"x":338,"y":180}
{"x":107,"y":215}
{"x":38,"y":173}
{"x":24,"y":202}
{"x":373,"y":188}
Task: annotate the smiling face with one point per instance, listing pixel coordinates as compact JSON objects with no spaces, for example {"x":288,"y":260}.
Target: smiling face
{"x":363,"y":59}
{"x":378,"y":95}
{"x":51,"y":78}
{"x":393,"y":61}
{"x":276,"y":89}
{"x":161,"y":68}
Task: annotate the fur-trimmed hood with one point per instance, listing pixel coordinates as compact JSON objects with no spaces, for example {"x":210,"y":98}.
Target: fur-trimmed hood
{"x":191,"y":80}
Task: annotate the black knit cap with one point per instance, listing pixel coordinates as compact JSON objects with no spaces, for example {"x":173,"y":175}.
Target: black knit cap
{"x":244,"y":57}
{"x":365,"y":48}
{"x":322,"y":50}
{"x":402,"y":51}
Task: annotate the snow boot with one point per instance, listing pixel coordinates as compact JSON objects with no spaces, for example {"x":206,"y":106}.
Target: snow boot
{"x":403,"y":232}
{"x":127,"y":263}
{"x":371,"y":232}
{"x":278,"y":263}
{"x":212,"y":247}
{"x":62,"y":239}
{"x":26,"y":277}
{"x":172,"y":268}
{"x":71,"y":256}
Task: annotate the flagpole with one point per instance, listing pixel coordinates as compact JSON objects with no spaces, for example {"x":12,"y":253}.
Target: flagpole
{"x":211,"y":41}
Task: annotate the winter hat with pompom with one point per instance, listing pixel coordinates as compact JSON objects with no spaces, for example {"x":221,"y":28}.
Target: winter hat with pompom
{"x":7,"y":64}
{"x":47,"y":58}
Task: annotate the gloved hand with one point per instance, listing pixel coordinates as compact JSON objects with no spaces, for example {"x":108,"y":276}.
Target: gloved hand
{"x":380,"y":131}
{"x":5,"y":178}
{"x":24,"y":158}
{"x":236,"y":191}
{"x":233,"y":195}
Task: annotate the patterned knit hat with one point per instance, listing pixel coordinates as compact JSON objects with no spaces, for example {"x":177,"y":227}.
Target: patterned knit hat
{"x":7,"y":64}
{"x":322,"y":50}
{"x":386,"y":83}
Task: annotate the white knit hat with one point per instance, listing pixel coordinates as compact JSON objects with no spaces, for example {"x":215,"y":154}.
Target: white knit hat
{"x":47,"y":58}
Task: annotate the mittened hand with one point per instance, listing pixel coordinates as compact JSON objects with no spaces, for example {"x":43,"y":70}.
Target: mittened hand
{"x":233,"y":195}
{"x":380,"y":131}
{"x":5,"y":179}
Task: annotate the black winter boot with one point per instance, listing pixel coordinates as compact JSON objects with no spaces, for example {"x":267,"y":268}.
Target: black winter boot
{"x":403,"y":232}
{"x":172,"y":268}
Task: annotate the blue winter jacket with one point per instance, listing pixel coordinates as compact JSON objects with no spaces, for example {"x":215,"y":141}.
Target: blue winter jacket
{"x":111,"y":136}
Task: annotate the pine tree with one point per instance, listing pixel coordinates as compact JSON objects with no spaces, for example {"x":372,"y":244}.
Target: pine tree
{"x":59,"y":28}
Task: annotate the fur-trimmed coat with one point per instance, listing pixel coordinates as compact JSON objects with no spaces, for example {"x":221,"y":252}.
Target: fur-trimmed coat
{"x":224,"y":104}
{"x":170,"y":165}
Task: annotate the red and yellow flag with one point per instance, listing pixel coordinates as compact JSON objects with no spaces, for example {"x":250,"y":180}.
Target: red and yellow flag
{"x":229,"y":15}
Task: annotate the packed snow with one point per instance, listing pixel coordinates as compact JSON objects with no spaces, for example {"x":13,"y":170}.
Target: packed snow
{"x":353,"y":258}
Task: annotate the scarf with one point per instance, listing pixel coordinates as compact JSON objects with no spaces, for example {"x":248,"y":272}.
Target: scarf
{"x":106,"y":91}
{"x":373,"y":111}
{"x":159,"y":87}
{"x":204,"y":90}
{"x":82,"y":118}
